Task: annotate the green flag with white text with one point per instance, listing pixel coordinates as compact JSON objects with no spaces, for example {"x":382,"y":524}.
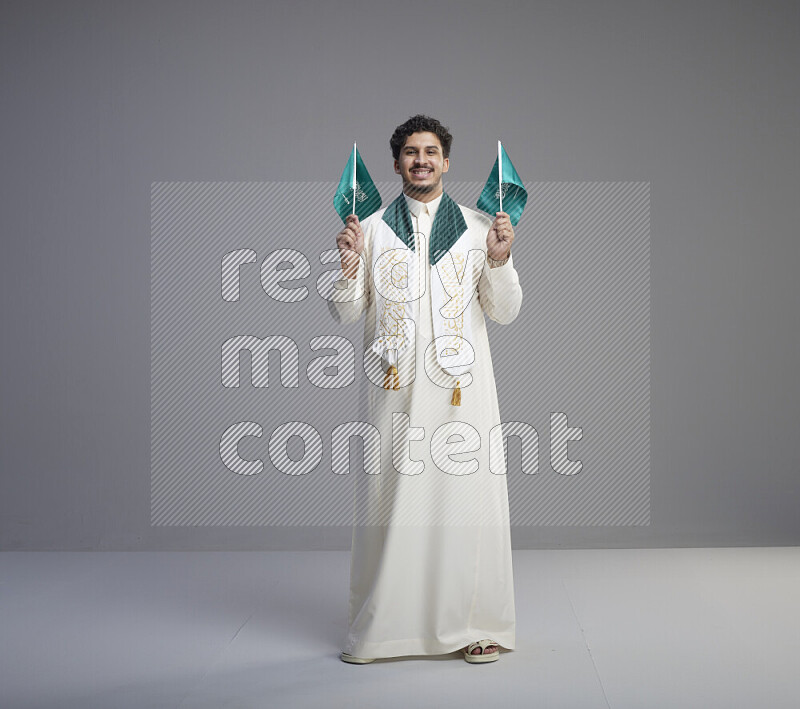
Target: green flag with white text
{"x":508,"y":190}
{"x":357,"y":192}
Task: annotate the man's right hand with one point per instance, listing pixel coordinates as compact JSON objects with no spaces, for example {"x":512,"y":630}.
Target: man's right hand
{"x":350,"y":240}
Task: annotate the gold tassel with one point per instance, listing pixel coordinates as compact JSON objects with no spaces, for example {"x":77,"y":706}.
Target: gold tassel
{"x":456,"y":400}
{"x":387,"y":380}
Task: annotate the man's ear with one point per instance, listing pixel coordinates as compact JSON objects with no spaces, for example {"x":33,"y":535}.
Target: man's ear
{"x":446,"y":165}
{"x":397,"y":167}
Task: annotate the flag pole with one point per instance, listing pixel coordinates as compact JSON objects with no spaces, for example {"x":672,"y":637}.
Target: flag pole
{"x":354,"y":178}
{"x":500,"y":173}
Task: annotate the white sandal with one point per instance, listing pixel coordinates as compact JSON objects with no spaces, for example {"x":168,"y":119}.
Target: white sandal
{"x":483,"y":656}
{"x":356,"y":660}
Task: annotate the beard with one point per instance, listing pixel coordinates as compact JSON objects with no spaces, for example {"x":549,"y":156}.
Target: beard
{"x":411,"y":188}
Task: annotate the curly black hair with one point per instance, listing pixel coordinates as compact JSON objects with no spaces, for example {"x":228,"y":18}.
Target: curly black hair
{"x":420,"y":124}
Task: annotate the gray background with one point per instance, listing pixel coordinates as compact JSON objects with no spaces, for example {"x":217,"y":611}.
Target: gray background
{"x":102,"y":99}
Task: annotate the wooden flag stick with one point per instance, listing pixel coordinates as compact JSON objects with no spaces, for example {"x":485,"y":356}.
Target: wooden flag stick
{"x":354,"y":178}
{"x":500,"y":173}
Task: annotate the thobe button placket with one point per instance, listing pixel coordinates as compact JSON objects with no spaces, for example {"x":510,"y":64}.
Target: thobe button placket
{"x":425,"y":319}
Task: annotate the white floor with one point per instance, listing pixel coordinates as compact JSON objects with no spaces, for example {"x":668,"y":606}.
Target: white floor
{"x":620,"y":628}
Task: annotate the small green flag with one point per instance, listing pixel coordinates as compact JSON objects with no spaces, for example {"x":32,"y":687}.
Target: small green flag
{"x":506,"y":194}
{"x":356,"y":193}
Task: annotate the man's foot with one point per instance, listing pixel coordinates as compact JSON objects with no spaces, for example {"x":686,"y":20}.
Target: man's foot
{"x":481,"y":651}
{"x":488,"y":651}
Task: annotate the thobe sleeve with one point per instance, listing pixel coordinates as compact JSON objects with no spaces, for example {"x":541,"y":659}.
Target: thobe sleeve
{"x":344,"y":306}
{"x":499,"y":292}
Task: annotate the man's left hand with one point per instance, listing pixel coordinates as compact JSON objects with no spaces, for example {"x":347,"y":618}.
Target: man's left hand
{"x":500,"y":237}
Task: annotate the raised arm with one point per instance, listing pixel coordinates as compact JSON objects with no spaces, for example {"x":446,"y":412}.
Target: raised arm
{"x":498,"y":288}
{"x":344,"y":306}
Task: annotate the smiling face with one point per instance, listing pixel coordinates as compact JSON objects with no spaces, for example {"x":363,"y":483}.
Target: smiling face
{"x":421,"y":166}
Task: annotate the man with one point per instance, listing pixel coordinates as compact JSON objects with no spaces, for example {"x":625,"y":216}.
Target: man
{"x":431,"y":568}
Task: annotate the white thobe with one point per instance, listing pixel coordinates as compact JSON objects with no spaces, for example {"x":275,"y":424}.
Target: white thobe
{"x":434,"y":573}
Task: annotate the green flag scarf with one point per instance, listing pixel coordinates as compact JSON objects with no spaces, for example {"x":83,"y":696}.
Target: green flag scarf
{"x":447,"y":228}
{"x":514,"y":194}
{"x":366,"y":196}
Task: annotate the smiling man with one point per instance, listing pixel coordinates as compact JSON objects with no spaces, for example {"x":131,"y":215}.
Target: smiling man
{"x":431,"y":568}
{"x":421,"y":162}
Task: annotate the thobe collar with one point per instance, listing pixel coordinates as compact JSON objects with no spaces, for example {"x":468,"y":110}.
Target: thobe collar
{"x":448,"y":222}
{"x":415,"y":206}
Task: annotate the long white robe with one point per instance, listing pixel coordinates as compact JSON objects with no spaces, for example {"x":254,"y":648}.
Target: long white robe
{"x":434,"y":573}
